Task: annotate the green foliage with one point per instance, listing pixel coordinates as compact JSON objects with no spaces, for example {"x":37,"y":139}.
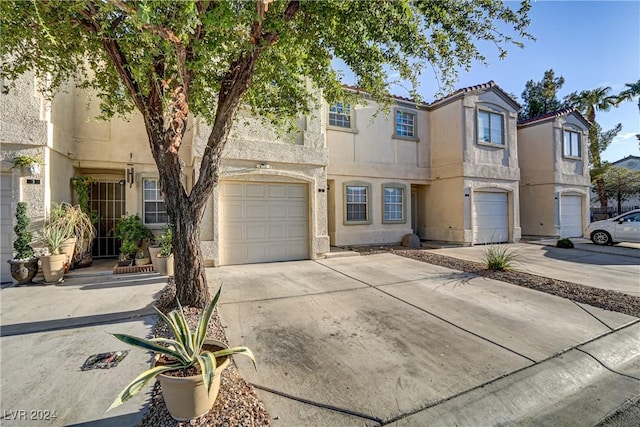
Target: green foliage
{"x":23,"y":236}
{"x":166,"y":242}
{"x":131,"y":231}
{"x":55,"y":233}
{"x":22,"y":161}
{"x":166,"y":41}
{"x":565,"y":243}
{"x":621,"y":184}
{"x":631,"y":92}
{"x":79,"y":222}
{"x":82,"y":185}
{"x":185,"y":350}
{"x":541,"y":97}
{"x":500,"y":257}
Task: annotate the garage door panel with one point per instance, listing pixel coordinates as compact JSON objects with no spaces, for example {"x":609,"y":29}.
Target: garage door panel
{"x":232,"y":190}
{"x":571,"y":216}
{"x":490,"y":218}
{"x":277,"y":192}
{"x":274,"y":226}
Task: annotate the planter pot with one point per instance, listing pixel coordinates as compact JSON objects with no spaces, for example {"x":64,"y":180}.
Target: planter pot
{"x":23,"y":270}
{"x":153,"y":254}
{"x":53,"y":267}
{"x":142,"y":261}
{"x":124,"y":263}
{"x":68,"y":248}
{"x":165,"y":265}
{"x":186,"y":397}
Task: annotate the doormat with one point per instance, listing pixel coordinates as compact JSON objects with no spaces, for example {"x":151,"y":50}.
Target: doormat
{"x":104,"y":360}
{"x":133,"y":269}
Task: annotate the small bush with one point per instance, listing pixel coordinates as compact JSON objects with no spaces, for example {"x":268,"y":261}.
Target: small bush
{"x":565,"y":243}
{"x":500,"y":257}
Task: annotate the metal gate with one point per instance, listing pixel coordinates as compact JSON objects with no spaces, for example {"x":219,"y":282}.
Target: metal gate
{"x":107,"y":200}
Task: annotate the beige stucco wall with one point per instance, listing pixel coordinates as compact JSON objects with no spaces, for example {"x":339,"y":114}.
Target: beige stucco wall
{"x":369,"y":153}
{"x":256,"y":151}
{"x":446,"y":139}
{"x":445,"y":210}
{"x":546,"y":174}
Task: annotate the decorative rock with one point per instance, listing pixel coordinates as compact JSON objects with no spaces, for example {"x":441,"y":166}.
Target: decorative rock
{"x":411,"y":241}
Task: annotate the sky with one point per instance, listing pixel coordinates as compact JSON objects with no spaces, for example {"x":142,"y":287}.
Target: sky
{"x":590,"y":43}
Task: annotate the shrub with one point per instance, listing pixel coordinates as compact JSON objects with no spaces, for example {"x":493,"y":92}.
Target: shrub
{"x":500,"y":257}
{"x":166,"y":242}
{"x":23,"y":236}
{"x":565,"y":243}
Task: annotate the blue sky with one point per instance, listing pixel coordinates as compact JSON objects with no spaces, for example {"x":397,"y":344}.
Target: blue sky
{"x":590,"y":43}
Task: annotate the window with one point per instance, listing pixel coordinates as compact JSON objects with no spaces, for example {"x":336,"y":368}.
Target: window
{"x":405,"y":125}
{"x":357,"y":203}
{"x":571,"y":144}
{"x":153,"y":208}
{"x":490,"y":127}
{"x":393,"y":203}
{"x":340,"y":115}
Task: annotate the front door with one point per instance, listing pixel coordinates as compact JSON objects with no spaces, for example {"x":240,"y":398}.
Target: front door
{"x":107,"y":200}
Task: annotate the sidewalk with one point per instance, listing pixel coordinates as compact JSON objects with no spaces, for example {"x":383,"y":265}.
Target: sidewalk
{"x":49,"y":331}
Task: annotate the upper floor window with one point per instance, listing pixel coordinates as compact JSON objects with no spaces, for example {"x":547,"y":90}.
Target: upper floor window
{"x":340,"y":115}
{"x":393,"y":203}
{"x":153,"y":208}
{"x":357,"y":197}
{"x":571,"y":144}
{"x":490,"y":127}
{"x":405,"y":125}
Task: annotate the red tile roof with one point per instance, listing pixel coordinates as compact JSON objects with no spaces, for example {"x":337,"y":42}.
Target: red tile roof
{"x":552,"y":114}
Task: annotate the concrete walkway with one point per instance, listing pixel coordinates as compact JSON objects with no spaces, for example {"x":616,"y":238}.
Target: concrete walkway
{"x":49,"y":331}
{"x":608,"y":267}
{"x":385,"y":340}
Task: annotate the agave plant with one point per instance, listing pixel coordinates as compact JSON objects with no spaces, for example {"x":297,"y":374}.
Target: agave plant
{"x":185,"y":349}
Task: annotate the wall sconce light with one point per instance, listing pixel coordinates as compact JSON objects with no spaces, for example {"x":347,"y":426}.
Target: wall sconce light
{"x":130,"y":175}
{"x":263,"y":166}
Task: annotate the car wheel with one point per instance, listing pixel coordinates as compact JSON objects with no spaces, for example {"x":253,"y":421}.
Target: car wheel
{"x":600,"y":237}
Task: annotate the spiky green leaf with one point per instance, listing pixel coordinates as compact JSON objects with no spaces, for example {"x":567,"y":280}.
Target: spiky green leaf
{"x":149,"y":345}
{"x":205,"y":317}
{"x":138,"y":383}
{"x":207,"y":363}
{"x":236,"y":350}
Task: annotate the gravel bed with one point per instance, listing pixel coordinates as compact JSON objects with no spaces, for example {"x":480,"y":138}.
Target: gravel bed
{"x":237,"y":403}
{"x":601,"y":298}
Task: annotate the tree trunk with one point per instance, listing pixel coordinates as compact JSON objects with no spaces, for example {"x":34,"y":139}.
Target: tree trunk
{"x":619,"y":202}
{"x":601,"y":193}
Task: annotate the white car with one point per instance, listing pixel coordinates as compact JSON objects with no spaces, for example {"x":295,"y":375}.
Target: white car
{"x":622,"y":228}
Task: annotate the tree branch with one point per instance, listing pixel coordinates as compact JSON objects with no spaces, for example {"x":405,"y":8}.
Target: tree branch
{"x":163,"y":32}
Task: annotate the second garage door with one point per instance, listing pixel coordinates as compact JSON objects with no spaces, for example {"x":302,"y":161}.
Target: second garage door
{"x":571,"y":216}
{"x":263,"y":222}
{"x":490,"y":218}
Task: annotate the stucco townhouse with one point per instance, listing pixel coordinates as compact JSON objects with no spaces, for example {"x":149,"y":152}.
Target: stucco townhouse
{"x":447,"y":171}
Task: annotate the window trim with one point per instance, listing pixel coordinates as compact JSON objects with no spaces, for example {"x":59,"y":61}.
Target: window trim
{"x":404,"y":203}
{"x":151,"y":225}
{"x":568,"y":155}
{"x":503,"y":132}
{"x":405,"y":110}
{"x":344,"y":202}
{"x":352,"y":118}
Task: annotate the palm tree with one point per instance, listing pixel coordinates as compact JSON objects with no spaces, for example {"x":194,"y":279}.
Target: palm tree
{"x":588,"y":102}
{"x":632,"y":90}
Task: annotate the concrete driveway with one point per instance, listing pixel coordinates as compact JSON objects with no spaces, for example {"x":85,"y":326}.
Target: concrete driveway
{"x":385,"y":340}
{"x":608,"y":267}
{"x":49,"y":331}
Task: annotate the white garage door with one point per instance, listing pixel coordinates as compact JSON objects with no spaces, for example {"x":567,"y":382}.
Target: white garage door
{"x":263,"y":222}
{"x":571,"y":216}
{"x":6,"y":221}
{"x":490,"y":218}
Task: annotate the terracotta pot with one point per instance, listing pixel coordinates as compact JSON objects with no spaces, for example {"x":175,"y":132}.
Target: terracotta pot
{"x":186,"y":397}
{"x":165,"y":265}
{"x":68,"y":248}
{"x":153,"y":253}
{"x":53,"y":267}
{"x":23,"y":271}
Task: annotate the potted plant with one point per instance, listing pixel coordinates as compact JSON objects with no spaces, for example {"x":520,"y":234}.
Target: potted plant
{"x":28,"y":165}
{"x":164,"y":260}
{"x":127,"y":249}
{"x":82,"y":185}
{"x":131,"y":232}
{"x":82,"y":229}
{"x":54,"y":234}
{"x":24,"y":265}
{"x":142,"y":258}
{"x":188,"y":366}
